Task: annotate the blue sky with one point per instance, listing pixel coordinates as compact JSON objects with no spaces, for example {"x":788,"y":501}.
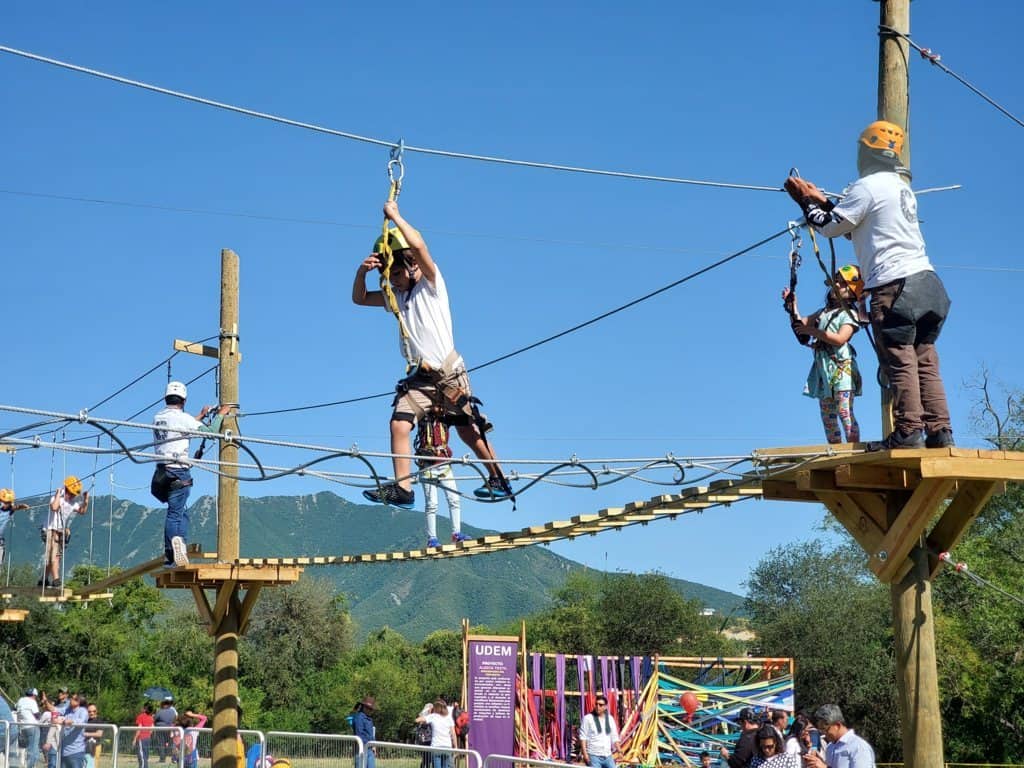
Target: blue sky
{"x":96,"y":293}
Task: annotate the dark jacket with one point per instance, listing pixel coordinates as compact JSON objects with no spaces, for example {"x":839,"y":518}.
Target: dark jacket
{"x":745,"y":750}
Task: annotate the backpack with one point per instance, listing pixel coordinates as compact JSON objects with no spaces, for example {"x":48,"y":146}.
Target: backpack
{"x":461,"y":722}
{"x":424,"y":734}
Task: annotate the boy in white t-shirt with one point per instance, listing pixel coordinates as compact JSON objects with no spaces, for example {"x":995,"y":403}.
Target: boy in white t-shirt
{"x":68,"y":500}
{"x":439,"y":378}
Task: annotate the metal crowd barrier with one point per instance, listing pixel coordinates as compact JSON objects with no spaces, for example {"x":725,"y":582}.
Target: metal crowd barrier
{"x":392,"y":755}
{"x":313,"y":750}
{"x":204,"y":744}
{"x":163,"y":743}
{"x":508,"y":761}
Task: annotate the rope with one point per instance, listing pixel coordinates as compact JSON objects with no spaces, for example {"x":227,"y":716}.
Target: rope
{"x":395,"y":189}
{"x":935,"y":59}
{"x":370,"y":139}
{"x":553,"y":337}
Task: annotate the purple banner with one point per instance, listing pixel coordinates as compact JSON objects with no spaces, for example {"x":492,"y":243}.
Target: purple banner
{"x":492,"y":692}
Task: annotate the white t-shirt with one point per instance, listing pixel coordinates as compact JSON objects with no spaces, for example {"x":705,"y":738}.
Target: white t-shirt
{"x":880,"y":213}
{"x":441,"y":729}
{"x":428,"y":319}
{"x":27,"y":708}
{"x":599,"y":742}
{"x":66,"y":512}
{"x":171,"y":445}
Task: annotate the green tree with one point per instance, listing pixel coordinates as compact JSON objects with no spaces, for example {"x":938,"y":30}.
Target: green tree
{"x":821,"y":606}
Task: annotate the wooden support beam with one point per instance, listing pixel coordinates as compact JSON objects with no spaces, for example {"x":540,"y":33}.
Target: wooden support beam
{"x":968,"y":502}
{"x":816,"y":480}
{"x":906,"y":530}
{"x":225,"y":591}
{"x":785,"y":491}
{"x":246,"y":607}
{"x":202,"y":605}
{"x":876,"y":478}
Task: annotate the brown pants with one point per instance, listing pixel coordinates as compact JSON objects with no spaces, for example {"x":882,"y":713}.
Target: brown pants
{"x":907,"y":316}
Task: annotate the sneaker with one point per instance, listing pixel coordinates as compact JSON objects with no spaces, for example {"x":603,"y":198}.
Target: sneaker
{"x":55,"y":584}
{"x":898,"y":439}
{"x":493,"y":488}
{"x":940,"y":438}
{"x":180,"y":549}
{"x":457,"y":537}
{"x":391,"y":494}
{"x":433,"y":542}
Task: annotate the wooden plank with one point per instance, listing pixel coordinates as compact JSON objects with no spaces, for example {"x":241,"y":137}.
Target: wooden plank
{"x":973,"y":469}
{"x":906,"y":530}
{"x":875,"y":477}
{"x":785,"y":491}
{"x":13,"y":614}
{"x":816,"y":480}
{"x":851,"y":510}
{"x":195,"y":348}
{"x":957,"y":517}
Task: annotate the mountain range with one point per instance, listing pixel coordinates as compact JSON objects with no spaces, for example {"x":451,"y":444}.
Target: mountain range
{"x":414,"y":598}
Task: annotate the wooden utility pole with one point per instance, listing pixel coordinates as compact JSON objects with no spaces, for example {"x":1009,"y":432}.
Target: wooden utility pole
{"x":917,"y":676}
{"x":225,"y":667}
{"x":228,"y":616}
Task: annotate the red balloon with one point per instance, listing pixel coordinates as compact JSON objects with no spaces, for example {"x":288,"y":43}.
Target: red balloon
{"x":688,"y":701}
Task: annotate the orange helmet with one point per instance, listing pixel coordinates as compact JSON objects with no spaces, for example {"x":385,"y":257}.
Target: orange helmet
{"x":849,"y":275}
{"x":6,"y":495}
{"x":883,"y":135}
{"x":73,"y":485}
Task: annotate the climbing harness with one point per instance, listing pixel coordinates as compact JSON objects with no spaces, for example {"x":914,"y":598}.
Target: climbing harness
{"x":432,"y":439}
{"x":396,"y":172}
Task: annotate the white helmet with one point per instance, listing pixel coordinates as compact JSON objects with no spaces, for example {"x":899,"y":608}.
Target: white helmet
{"x":176,"y":388}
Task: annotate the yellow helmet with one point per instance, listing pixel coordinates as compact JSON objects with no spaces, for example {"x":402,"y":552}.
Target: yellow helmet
{"x":849,"y":275}
{"x":6,"y":495}
{"x":73,"y":485}
{"x":883,"y":135}
{"x":396,"y":240}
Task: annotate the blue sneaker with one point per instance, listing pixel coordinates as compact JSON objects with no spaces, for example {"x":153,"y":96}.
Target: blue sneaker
{"x":433,"y":542}
{"x":457,"y":537}
{"x":493,"y":488}
{"x":391,"y":494}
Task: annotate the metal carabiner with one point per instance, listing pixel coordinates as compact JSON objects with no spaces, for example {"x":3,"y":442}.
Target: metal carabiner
{"x":395,"y":161}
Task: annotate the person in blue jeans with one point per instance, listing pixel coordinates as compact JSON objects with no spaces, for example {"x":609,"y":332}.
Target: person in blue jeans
{"x":363,"y":727}
{"x":599,"y":735}
{"x":72,"y":750}
{"x":172,"y":480}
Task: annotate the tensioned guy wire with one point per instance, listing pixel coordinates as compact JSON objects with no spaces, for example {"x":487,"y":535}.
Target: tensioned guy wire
{"x":935,"y":59}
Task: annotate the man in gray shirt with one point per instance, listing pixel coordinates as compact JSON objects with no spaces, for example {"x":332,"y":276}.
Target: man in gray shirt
{"x":845,"y":749}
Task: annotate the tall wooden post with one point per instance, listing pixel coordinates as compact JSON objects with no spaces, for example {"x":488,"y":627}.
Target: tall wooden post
{"x":917,"y":676}
{"x":225,"y":668}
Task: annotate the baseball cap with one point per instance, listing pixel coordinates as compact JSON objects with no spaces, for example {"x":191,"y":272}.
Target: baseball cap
{"x":747,"y":714}
{"x":32,"y":692}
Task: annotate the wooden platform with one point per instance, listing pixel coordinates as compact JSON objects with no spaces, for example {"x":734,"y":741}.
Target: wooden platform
{"x":213,"y":575}
{"x":889,"y":500}
{"x":135,"y":571}
{"x":13,"y":614}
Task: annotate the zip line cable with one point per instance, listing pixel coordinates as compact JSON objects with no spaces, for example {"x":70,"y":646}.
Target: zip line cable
{"x":936,"y":60}
{"x":963,"y":570}
{"x":369,"y":139}
{"x":553,"y":337}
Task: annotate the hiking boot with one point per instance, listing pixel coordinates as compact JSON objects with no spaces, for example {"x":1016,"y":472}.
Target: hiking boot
{"x":940,"y":438}
{"x":898,"y":439}
{"x":180,"y":550}
{"x":391,"y":494}
{"x":433,"y":542}
{"x":457,"y":537}
{"x":493,"y":488}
